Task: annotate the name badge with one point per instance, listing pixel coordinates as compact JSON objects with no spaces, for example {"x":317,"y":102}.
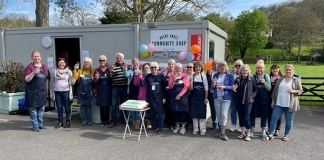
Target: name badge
{"x":153,"y":88}
{"x":181,"y":81}
{"x":81,"y":75}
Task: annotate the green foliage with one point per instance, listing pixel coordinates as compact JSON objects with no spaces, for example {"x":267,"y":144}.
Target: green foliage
{"x":116,"y":17}
{"x":13,"y":79}
{"x":222,"y":22}
{"x":249,"y":32}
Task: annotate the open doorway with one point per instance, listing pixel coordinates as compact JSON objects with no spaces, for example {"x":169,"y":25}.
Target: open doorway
{"x":69,"y":49}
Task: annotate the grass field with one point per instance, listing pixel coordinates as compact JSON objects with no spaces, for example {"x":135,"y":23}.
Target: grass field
{"x":304,"y":71}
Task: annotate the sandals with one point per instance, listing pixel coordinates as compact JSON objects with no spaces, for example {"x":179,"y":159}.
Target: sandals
{"x":241,"y":136}
{"x":267,"y":138}
{"x":285,"y":138}
{"x":247,"y":138}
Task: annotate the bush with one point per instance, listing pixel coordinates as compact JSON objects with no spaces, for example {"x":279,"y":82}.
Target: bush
{"x":13,"y":78}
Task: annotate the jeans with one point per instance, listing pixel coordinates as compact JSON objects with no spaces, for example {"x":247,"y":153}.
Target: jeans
{"x":135,"y":115}
{"x":118,"y":93}
{"x":263,"y":123}
{"x":86,"y":113}
{"x":104,"y":113}
{"x":244,"y":111}
{"x":62,"y":99}
{"x":222,"y":107}
{"x":212,"y":108}
{"x":269,"y":120}
{"x":36,"y":116}
{"x":180,"y":117}
{"x":160,"y":121}
{"x":276,"y":114}
{"x":233,"y":112}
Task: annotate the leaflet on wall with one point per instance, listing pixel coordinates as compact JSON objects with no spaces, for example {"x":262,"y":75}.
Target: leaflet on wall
{"x":168,"y":43}
{"x":50,"y":62}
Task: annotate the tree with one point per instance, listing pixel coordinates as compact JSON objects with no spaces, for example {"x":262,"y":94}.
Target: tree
{"x":79,"y":14}
{"x":113,"y":16}
{"x":16,"y":21}
{"x":249,"y":32}
{"x":224,"y":23}
{"x":42,"y":12}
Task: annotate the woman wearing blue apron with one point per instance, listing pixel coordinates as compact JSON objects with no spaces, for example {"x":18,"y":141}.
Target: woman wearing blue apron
{"x":178,"y":93}
{"x":198,"y":99}
{"x":155,"y":96}
{"x":133,"y":90}
{"x":169,"y":120}
{"x":36,"y":75}
{"x":85,"y":95}
{"x":103,"y":82}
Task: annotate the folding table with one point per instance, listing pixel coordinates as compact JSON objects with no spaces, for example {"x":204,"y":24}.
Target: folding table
{"x":142,"y":116}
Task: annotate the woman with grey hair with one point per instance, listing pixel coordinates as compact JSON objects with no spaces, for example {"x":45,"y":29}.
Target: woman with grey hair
{"x":222,"y":83}
{"x":155,"y":95}
{"x":103,"y":82}
{"x":84,"y":76}
{"x":168,"y":113}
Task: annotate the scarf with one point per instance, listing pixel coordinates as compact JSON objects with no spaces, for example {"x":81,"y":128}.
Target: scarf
{"x":62,"y":74}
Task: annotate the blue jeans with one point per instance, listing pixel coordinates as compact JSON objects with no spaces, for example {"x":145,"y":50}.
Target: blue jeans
{"x":86,"y":113}
{"x":244,"y":111}
{"x":180,"y":117}
{"x":233,"y":112}
{"x":36,"y":116}
{"x":135,"y":115}
{"x":222,"y":107}
{"x":160,"y":121}
{"x":62,"y":99}
{"x":118,"y":93}
{"x":276,"y":114}
{"x":212,"y":108}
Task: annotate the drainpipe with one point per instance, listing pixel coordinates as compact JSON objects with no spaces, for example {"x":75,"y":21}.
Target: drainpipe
{"x":3,"y":46}
{"x":137,"y":38}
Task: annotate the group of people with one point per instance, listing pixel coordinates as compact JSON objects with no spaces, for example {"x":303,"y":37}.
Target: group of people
{"x":176,"y":98}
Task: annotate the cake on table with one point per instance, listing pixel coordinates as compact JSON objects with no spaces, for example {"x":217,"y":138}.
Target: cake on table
{"x":134,"y":104}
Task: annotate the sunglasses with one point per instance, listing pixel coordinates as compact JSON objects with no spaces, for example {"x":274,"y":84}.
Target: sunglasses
{"x":102,"y":60}
{"x":153,"y":67}
{"x":237,"y":65}
{"x":189,"y":67}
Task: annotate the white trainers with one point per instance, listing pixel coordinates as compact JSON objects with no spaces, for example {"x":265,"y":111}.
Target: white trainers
{"x":202,"y":133}
{"x":239,"y":130}
{"x":183,"y":130}
{"x":233,"y":128}
{"x":176,"y":130}
{"x":194,"y":132}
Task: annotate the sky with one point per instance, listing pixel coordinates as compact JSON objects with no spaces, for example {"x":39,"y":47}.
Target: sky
{"x":236,"y":7}
{"x":233,"y":8}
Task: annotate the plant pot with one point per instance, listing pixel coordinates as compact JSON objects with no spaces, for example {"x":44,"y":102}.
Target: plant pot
{"x":9,"y":101}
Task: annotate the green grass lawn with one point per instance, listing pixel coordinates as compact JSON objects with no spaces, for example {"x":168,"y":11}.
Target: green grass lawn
{"x":304,"y":71}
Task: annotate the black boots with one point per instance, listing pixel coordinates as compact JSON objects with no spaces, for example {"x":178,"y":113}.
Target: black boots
{"x":68,"y":123}
{"x":59,"y":125}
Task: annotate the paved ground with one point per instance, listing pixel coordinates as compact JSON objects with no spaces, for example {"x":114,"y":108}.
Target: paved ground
{"x":94,"y":142}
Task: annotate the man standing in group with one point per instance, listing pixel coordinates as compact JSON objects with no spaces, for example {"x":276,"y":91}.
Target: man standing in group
{"x":119,"y":88}
{"x":210,"y":75}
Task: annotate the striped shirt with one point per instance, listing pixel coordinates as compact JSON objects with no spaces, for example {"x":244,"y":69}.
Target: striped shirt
{"x":118,"y":77}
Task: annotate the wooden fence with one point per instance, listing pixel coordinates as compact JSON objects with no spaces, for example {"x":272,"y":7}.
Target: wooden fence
{"x":313,"y":91}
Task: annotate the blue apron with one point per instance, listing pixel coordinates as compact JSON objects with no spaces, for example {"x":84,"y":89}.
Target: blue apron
{"x":35,"y":93}
{"x":166,"y":83}
{"x":260,"y":107}
{"x":85,"y":89}
{"x":178,"y":105}
{"x":103,"y":89}
{"x":133,"y":90}
{"x":155,"y":97}
{"x":198,"y":108}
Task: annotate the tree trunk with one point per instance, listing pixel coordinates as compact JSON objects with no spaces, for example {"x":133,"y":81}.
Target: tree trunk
{"x":243,"y":51}
{"x":42,"y":11}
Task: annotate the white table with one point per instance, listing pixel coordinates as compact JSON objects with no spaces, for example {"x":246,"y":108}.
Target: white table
{"x":142,"y":116}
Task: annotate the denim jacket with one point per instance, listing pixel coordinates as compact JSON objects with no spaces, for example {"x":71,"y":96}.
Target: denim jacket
{"x":250,"y":91}
{"x":228,"y":83}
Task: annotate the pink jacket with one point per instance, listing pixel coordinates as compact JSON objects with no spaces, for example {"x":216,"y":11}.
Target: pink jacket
{"x":185,"y":79}
{"x":142,"y":90}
